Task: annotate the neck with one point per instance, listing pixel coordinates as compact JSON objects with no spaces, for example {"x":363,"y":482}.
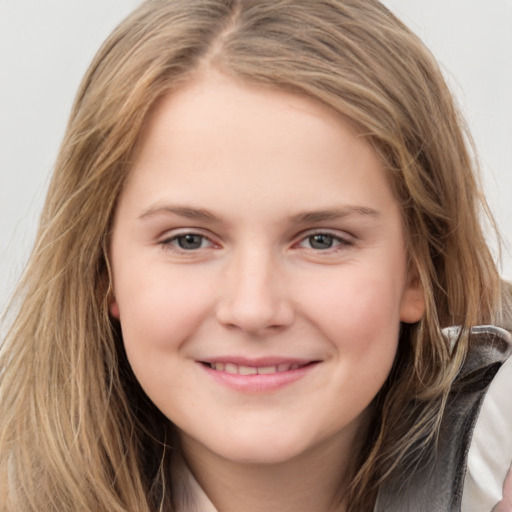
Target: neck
{"x":314,"y":480}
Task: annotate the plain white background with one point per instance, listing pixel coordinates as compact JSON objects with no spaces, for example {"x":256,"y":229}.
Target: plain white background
{"x":45,"y":48}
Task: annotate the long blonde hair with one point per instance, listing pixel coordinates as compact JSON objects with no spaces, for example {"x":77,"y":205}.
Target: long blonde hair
{"x":77,"y":433}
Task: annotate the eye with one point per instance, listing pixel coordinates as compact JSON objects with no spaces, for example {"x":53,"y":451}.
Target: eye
{"x":187,"y":242}
{"x":190,"y":241}
{"x":323,"y":241}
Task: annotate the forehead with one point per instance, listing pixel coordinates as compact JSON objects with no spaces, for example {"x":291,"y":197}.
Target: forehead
{"x":234,"y":143}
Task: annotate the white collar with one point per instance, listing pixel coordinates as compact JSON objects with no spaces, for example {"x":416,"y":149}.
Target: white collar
{"x":188,"y":494}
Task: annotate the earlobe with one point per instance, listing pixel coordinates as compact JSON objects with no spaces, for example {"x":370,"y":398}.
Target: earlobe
{"x":412,"y":307}
{"x":113,"y":307}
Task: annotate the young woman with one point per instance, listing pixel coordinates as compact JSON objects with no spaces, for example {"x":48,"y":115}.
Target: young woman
{"x":260,"y":281}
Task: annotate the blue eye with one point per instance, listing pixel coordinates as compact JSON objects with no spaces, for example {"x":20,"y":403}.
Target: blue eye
{"x":324,"y":242}
{"x":321,"y":241}
{"x":187,"y":242}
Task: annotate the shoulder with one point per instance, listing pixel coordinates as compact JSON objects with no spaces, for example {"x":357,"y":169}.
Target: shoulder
{"x":490,"y":451}
{"x":453,"y":475}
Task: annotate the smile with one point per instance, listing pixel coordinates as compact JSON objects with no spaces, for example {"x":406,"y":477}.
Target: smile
{"x":250,"y":376}
{"x":234,"y":369}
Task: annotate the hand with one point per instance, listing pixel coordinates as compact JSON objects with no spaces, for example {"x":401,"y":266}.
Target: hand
{"x":505,"y":505}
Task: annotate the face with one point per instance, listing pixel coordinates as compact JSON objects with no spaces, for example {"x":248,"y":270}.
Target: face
{"x":259,"y":271}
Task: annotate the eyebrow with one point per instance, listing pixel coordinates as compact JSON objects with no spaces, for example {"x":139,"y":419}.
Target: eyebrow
{"x":300,"y":218}
{"x":182,"y":211}
{"x":333,"y":214}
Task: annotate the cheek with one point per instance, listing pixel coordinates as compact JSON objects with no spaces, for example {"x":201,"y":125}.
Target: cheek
{"x":159,"y":313}
{"x":160,"y":310}
{"x":358,"y":314}
{"x":356,"y":305}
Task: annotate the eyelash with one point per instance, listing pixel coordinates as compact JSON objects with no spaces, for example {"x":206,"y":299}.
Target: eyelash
{"x":172,"y":243}
{"x":339,"y":242}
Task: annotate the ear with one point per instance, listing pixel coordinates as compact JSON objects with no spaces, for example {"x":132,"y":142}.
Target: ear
{"x":113,"y":307}
{"x":412,"y":305}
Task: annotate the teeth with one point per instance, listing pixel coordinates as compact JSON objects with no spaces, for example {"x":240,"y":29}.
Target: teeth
{"x":253,"y":370}
{"x":231,"y":368}
{"x":247,"y":370}
{"x":265,"y":370}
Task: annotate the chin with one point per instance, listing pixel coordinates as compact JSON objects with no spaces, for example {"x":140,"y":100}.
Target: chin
{"x":260,"y":450}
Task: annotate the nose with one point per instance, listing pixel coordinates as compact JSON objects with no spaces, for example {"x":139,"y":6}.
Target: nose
{"x":254,"y":295}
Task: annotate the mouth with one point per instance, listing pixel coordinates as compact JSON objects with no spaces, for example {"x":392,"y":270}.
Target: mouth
{"x":257,"y":376}
{"x":241,"y":369}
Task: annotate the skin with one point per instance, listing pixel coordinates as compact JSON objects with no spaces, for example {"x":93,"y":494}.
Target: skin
{"x":505,"y":505}
{"x":300,"y":253}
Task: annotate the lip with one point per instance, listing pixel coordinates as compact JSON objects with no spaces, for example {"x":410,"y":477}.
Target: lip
{"x":258,"y":383}
{"x":257,"y":361}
